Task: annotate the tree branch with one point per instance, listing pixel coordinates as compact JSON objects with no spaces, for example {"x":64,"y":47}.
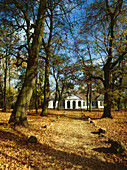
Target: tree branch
{"x":119,"y":59}
{"x":51,"y":28}
{"x":97,"y":78}
{"x":19,"y":6}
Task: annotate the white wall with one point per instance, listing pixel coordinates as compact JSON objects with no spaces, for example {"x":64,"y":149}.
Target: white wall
{"x":99,"y":105}
{"x":50,"y":104}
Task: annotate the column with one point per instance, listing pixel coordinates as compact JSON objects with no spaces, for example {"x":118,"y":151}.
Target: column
{"x":81,"y":104}
{"x":65,"y":104}
{"x":71,"y":104}
{"x":76,"y":104}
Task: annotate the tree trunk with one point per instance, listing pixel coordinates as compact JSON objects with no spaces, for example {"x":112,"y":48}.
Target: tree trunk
{"x":1,"y":89}
{"x":60,"y":97}
{"x":9,"y":100}
{"x":125,"y":104}
{"x":19,"y":114}
{"x":118,"y":104}
{"x":107,"y":72}
{"x":90,"y":97}
{"x":107,"y":106}
{"x":56,"y":94}
{"x":107,"y":94}
{"x":5,"y":85}
{"x":46,"y":88}
{"x":47,"y":47}
{"x":59,"y":103}
{"x":119,"y":88}
{"x":87,"y":96}
{"x":35,"y":94}
{"x":36,"y":105}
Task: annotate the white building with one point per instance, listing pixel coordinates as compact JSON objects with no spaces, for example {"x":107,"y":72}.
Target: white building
{"x":79,"y":102}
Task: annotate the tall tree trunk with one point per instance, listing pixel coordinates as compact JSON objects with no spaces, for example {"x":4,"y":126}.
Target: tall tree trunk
{"x":60,"y":97}
{"x":119,"y":88}
{"x":36,"y":99}
{"x":1,"y":89}
{"x":5,"y":85}
{"x":59,"y":103}
{"x":87,"y":96}
{"x":56,"y":94}
{"x":9,"y":84}
{"x":36,"y":106}
{"x":19,"y":114}
{"x":47,"y":47}
{"x":107,"y":95}
{"x":107,"y":69}
{"x":46,"y":88}
{"x":90,"y":97}
{"x":125,"y":104}
{"x":1,"y":94}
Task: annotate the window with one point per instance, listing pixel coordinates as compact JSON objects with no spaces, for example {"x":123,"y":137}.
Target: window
{"x":79,"y":103}
{"x":84,"y":103}
{"x":101,"y":103}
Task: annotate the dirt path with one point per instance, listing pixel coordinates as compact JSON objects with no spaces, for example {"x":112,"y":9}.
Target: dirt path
{"x":76,"y":146}
{"x":65,"y":141}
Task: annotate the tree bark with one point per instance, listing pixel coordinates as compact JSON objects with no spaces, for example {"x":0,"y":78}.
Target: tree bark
{"x":46,"y":87}
{"x":47,"y":47}
{"x":107,"y":94}
{"x":56,"y":94}
{"x":59,"y":103}
{"x":60,"y":96}
{"x":5,"y":85}
{"x":19,"y":114}
{"x":87,"y":96}
{"x":90,"y":97}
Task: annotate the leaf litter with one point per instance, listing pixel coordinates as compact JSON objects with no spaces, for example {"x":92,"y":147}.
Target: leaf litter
{"x":65,"y":140}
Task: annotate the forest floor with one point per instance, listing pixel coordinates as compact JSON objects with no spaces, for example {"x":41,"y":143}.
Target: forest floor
{"x":66,"y":140}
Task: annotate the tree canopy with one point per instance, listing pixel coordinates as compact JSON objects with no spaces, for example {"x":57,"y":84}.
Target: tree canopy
{"x":72,"y":41}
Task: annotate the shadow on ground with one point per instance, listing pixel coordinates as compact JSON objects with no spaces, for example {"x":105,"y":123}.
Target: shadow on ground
{"x":102,"y":149}
{"x":48,"y":156}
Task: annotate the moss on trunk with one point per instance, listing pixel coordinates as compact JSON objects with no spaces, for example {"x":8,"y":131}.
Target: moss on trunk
{"x":19,"y":114}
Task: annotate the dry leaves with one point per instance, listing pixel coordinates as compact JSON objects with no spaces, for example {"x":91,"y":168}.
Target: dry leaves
{"x":67,"y":142}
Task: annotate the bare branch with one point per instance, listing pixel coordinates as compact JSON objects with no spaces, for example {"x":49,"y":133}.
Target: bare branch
{"x":97,"y":78}
{"x":19,"y":6}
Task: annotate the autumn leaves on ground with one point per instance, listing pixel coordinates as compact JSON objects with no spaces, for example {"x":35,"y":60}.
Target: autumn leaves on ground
{"x":65,"y":140}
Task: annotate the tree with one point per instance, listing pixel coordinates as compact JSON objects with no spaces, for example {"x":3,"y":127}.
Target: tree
{"x":118,"y":84}
{"x":8,"y":40}
{"x":38,"y":94}
{"x":47,"y":49}
{"x":21,"y":12}
{"x":28,"y":18}
{"x":56,"y":24}
{"x":63,"y":72}
{"x":104,"y":26}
